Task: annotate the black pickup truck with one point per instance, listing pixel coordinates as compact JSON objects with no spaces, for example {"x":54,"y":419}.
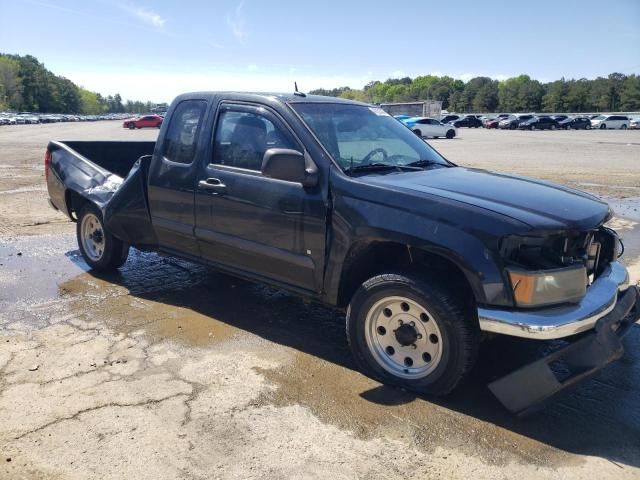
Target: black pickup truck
{"x":339,"y":202}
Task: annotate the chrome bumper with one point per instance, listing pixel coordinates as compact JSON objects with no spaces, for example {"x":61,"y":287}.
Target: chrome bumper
{"x":562,"y":321}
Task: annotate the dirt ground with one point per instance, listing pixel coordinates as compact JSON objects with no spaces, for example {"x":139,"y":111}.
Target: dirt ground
{"x":166,"y":370}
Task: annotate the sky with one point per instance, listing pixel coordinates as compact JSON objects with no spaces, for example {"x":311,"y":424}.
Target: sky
{"x":155,"y":50}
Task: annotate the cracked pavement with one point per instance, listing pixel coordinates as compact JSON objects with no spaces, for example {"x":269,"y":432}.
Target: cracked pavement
{"x":167,"y":370}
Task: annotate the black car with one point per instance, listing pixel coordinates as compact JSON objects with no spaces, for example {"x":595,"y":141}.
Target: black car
{"x":470,"y":121}
{"x":539,"y":123}
{"x":576,"y":123}
{"x":514,"y":122}
{"x":450,"y":118}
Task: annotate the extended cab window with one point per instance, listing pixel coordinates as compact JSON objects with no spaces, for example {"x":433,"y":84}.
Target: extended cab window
{"x":242,"y":138}
{"x":182,"y":135}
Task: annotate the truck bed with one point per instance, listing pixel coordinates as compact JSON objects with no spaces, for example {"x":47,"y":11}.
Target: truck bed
{"x":107,"y":174}
{"x":113,"y":156}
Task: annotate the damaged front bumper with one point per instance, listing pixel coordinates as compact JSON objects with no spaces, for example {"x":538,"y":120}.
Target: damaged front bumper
{"x":559,"y":322}
{"x":603,"y":316}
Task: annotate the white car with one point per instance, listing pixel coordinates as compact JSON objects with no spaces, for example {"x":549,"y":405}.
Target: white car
{"x":634,"y":123}
{"x":430,"y":127}
{"x":610,"y":121}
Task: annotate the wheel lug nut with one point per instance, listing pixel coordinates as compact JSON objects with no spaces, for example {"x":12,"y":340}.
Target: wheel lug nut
{"x":419,"y":336}
{"x":413,"y":324}
{"x":414,"y":346}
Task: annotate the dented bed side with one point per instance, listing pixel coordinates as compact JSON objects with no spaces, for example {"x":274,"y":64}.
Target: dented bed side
{"x":73,"y":178}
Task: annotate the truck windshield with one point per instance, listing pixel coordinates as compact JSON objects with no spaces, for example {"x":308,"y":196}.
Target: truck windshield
{"x":359,"y":135}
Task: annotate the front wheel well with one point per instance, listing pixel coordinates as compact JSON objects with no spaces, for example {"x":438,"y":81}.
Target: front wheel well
{"x":366,"y":260}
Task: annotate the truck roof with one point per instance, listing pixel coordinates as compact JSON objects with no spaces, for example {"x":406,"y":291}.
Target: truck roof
{"x":268,"y":97}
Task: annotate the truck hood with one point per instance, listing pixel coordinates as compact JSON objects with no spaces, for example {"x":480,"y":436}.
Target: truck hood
{"x":541,"y":205}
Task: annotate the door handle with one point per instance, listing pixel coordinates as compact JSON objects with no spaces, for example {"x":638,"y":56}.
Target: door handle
{"x":213,"y":184}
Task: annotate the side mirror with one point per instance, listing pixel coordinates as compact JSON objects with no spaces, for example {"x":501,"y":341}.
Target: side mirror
{"x":289,"y":165}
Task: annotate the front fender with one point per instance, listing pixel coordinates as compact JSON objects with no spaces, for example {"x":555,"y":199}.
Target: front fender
{"x":457,"y":232}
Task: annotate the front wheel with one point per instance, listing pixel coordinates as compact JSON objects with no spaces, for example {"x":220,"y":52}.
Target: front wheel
{"x":450,"y":134}
{"x":603,"y":127}
{"x":623,"y":127}
{"x":412,"y":333}
{"x":101,"y":250}
{"x":132,"y":126}
{"x":588,"y":127}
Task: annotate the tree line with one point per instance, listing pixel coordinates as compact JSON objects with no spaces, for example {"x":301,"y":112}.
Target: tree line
{"x":26,"y":85}
{"x":615,"y":93}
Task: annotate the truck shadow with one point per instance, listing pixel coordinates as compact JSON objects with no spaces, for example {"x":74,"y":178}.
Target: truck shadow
{"x":601,"y":417}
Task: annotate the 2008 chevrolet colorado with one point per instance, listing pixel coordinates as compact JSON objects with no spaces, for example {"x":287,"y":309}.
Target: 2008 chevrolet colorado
{"x":337,"y":201}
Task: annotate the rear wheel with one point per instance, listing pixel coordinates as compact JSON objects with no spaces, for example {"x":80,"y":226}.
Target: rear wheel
{"x":603,"y":127}
{"x":450,"y":134}
{"x":101,"y":250}
{"x":412,"y":333}
{"x":588,"y":126}
{"x":623,"y":127}
{"x":132,"y":126}
{"x":418,"y":133}
{"x":553,"y":127}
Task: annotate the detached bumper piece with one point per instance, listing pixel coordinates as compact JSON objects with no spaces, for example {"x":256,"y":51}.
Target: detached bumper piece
{"x":528,"y":388}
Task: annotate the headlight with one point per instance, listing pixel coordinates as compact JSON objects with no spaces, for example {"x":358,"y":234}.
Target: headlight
{"x":547,"y":287}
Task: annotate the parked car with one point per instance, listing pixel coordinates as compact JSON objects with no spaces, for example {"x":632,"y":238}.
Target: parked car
{"x":494,"y":121}
{"x":430,"y":127}
{"x":634,"y":123}
{"x":470,"y":121}
{"x":576,"y":123}
{"x":449,"y":118}
{"x":347,"y":207}
{"x":610,"y":121}
{"x":147,"y":121}
{"x":541,"y":122}
{"x":512,"y":121}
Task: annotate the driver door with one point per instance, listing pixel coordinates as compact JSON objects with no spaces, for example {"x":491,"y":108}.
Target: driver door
{"x":248,"y":222}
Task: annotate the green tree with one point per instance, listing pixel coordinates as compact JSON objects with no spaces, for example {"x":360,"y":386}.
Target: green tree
{"x":10,"y":84}
{"x":630,"y":94}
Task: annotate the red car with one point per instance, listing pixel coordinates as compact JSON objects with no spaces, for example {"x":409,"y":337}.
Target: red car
{"x":150,"y":121}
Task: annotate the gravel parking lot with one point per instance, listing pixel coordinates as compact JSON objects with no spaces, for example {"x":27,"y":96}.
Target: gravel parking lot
{"x":167,"y":370}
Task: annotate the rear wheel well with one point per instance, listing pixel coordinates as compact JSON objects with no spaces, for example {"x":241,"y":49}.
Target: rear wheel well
{"x":366,"y":260}
{"x":74,"y":202}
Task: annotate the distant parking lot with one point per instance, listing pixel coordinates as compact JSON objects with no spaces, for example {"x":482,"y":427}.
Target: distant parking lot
{"x":169,"y":371}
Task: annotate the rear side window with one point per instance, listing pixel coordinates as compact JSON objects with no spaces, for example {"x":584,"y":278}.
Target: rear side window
{"x":184,"y":128}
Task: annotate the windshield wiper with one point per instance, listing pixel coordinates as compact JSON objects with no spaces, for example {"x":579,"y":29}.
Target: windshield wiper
{"x":372,"y":167}
{"x":422,"y":163}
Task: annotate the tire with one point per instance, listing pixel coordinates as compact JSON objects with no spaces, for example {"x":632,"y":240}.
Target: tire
{"x":132,"y":126}
{"x":512,"y":127}
{"x":450,"y":134}
{"x":532,"y":127}
{"x":418,"y":133}
{"x":623,"y":127}
{"x":437,"y":346}
{"x":553,"y":127}
{"x":587,"y":127}
{"x":603,"y":127}
{"x":102,"y":251}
